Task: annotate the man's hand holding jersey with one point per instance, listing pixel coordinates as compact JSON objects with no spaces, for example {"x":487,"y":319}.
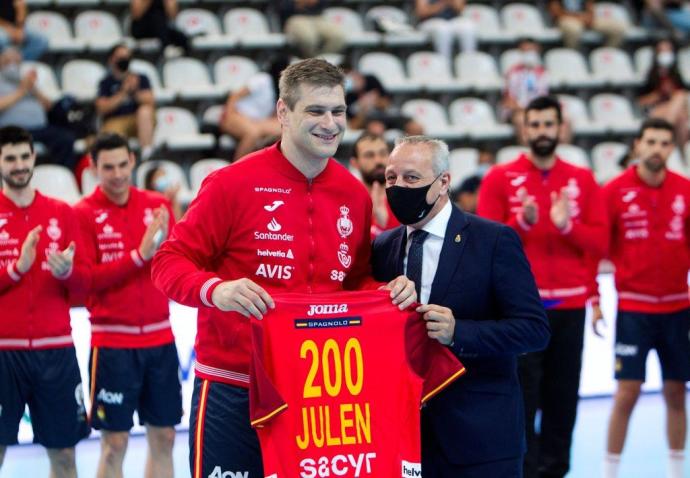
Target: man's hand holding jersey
{"x":246,"y":297}
{"x":440,"y":322}
{"x":402,"y":292}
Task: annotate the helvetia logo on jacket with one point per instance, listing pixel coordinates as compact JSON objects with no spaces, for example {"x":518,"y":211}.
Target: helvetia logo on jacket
{"x":411,"y":470}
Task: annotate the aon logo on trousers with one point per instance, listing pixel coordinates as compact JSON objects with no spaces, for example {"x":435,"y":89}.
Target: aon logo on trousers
{"x":218,"y":473}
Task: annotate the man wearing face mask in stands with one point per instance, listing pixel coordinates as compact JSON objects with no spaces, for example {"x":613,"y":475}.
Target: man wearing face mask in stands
{"x":23,"y":104}
{"x":479,"y":299}
{"x":524,"y":81}
{"x":125,"y":101}
{"x":369,"y":158}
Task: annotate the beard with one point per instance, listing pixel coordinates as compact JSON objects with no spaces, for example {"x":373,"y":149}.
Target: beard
{"x":13,"y":183}
{"x":654,"y":163}
{"x":376,"y":175}
{"x":543,"y":146}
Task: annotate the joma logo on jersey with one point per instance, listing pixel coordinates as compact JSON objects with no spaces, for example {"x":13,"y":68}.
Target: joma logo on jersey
{"x":327,"y":323}
{"x":111,"y":398}
{"x":218,"y":473}
{"x":326,"y":309}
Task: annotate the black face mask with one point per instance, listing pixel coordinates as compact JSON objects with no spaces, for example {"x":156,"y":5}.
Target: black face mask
{"x":122,"y":64}
{"x":409,"y":205}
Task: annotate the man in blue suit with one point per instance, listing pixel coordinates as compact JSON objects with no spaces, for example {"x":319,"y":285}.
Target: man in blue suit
{"x":479,"y":299}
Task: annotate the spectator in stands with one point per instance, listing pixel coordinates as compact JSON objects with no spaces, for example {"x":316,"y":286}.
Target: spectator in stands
{"x":12,"y":31}
{"x":370,"y":105}
{"x":664,"y":95}
{"x":125,"y":101}
{"x":672,"y":15}
{"x":307,"y":28}
{"x":466,"y":195}
{"x":443,"y":20}
{"x":156,"y":179}
{"x":574,"y":16}
{"x":250,"y":112}
{"x":22,"y":104}
{"x":369,"y":158}
{"x":524,"y":81}
{"x":154,"y":19}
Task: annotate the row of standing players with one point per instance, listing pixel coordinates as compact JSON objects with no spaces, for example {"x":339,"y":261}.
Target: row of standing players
{"x":214,"y":250}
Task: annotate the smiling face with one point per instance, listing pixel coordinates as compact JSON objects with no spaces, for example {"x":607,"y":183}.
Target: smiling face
{"x":315,"y":126}
{"x":114,"y":171}
{"x":17,"y":165}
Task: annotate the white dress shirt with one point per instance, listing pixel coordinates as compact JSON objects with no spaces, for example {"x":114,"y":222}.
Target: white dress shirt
{"x":431,"y":250}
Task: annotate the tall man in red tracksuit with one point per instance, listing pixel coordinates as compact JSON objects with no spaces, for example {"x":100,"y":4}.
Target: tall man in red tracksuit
{"x":649,"y":214}
{"x":134,"y":363}
{"x":40,"y":266}
{"x":286,"y":218}
{"x":556,"y":209}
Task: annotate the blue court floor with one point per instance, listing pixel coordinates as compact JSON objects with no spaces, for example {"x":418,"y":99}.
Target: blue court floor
{"x":644,"y":457}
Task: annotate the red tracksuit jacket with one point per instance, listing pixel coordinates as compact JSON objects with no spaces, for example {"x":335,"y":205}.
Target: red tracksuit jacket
{"x":650,"y":236}
{"x":127,"y":311}
{"x":262,"y":219}
{"x":35,"y":306}
{"x":561,"y":260}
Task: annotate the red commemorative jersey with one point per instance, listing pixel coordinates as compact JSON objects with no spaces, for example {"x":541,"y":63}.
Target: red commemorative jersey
{"x":337,"y":384}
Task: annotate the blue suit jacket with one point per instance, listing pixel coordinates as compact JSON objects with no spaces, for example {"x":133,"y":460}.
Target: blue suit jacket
{"x":483,"y":276}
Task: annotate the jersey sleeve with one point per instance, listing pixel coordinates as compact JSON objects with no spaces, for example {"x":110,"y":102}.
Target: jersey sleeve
{"x":493,"y":203}
{"x":265,"y":401}
{"x":590,"y":233}
{"x":183,"y":268}
{"x":78,"y":282}
{"x":9,"y":276}
{"x":430,"y":360}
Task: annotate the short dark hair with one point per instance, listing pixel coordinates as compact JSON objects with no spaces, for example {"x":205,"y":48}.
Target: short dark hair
{"x":366,"y":136}
{"x":15,"y":135}
{"x":541,"y":103}
{"x":107,"y":142}
{"x":655,"y":123}
{"x":114,"y":48}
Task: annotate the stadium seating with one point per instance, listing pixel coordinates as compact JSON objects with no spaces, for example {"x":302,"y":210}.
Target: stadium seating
{"x":463,"y":163}
{"x":177,"y":129}
{"x":98,"y":29}
{"x":56,"y":181}
{"x":80,"y":78}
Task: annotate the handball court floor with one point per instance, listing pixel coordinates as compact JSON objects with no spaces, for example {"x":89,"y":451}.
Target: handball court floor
{"x":644,"y":456}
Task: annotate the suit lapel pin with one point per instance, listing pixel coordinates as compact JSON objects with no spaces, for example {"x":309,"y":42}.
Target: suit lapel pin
{"x":458,"y":238}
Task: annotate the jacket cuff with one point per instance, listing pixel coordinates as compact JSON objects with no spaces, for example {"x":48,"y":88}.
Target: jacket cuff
{"x":136,"y":257}
{"x":466,"y":333}
{"x":524,"y":225}
{"x":12,"y":271}
{"x":207,"y":289}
